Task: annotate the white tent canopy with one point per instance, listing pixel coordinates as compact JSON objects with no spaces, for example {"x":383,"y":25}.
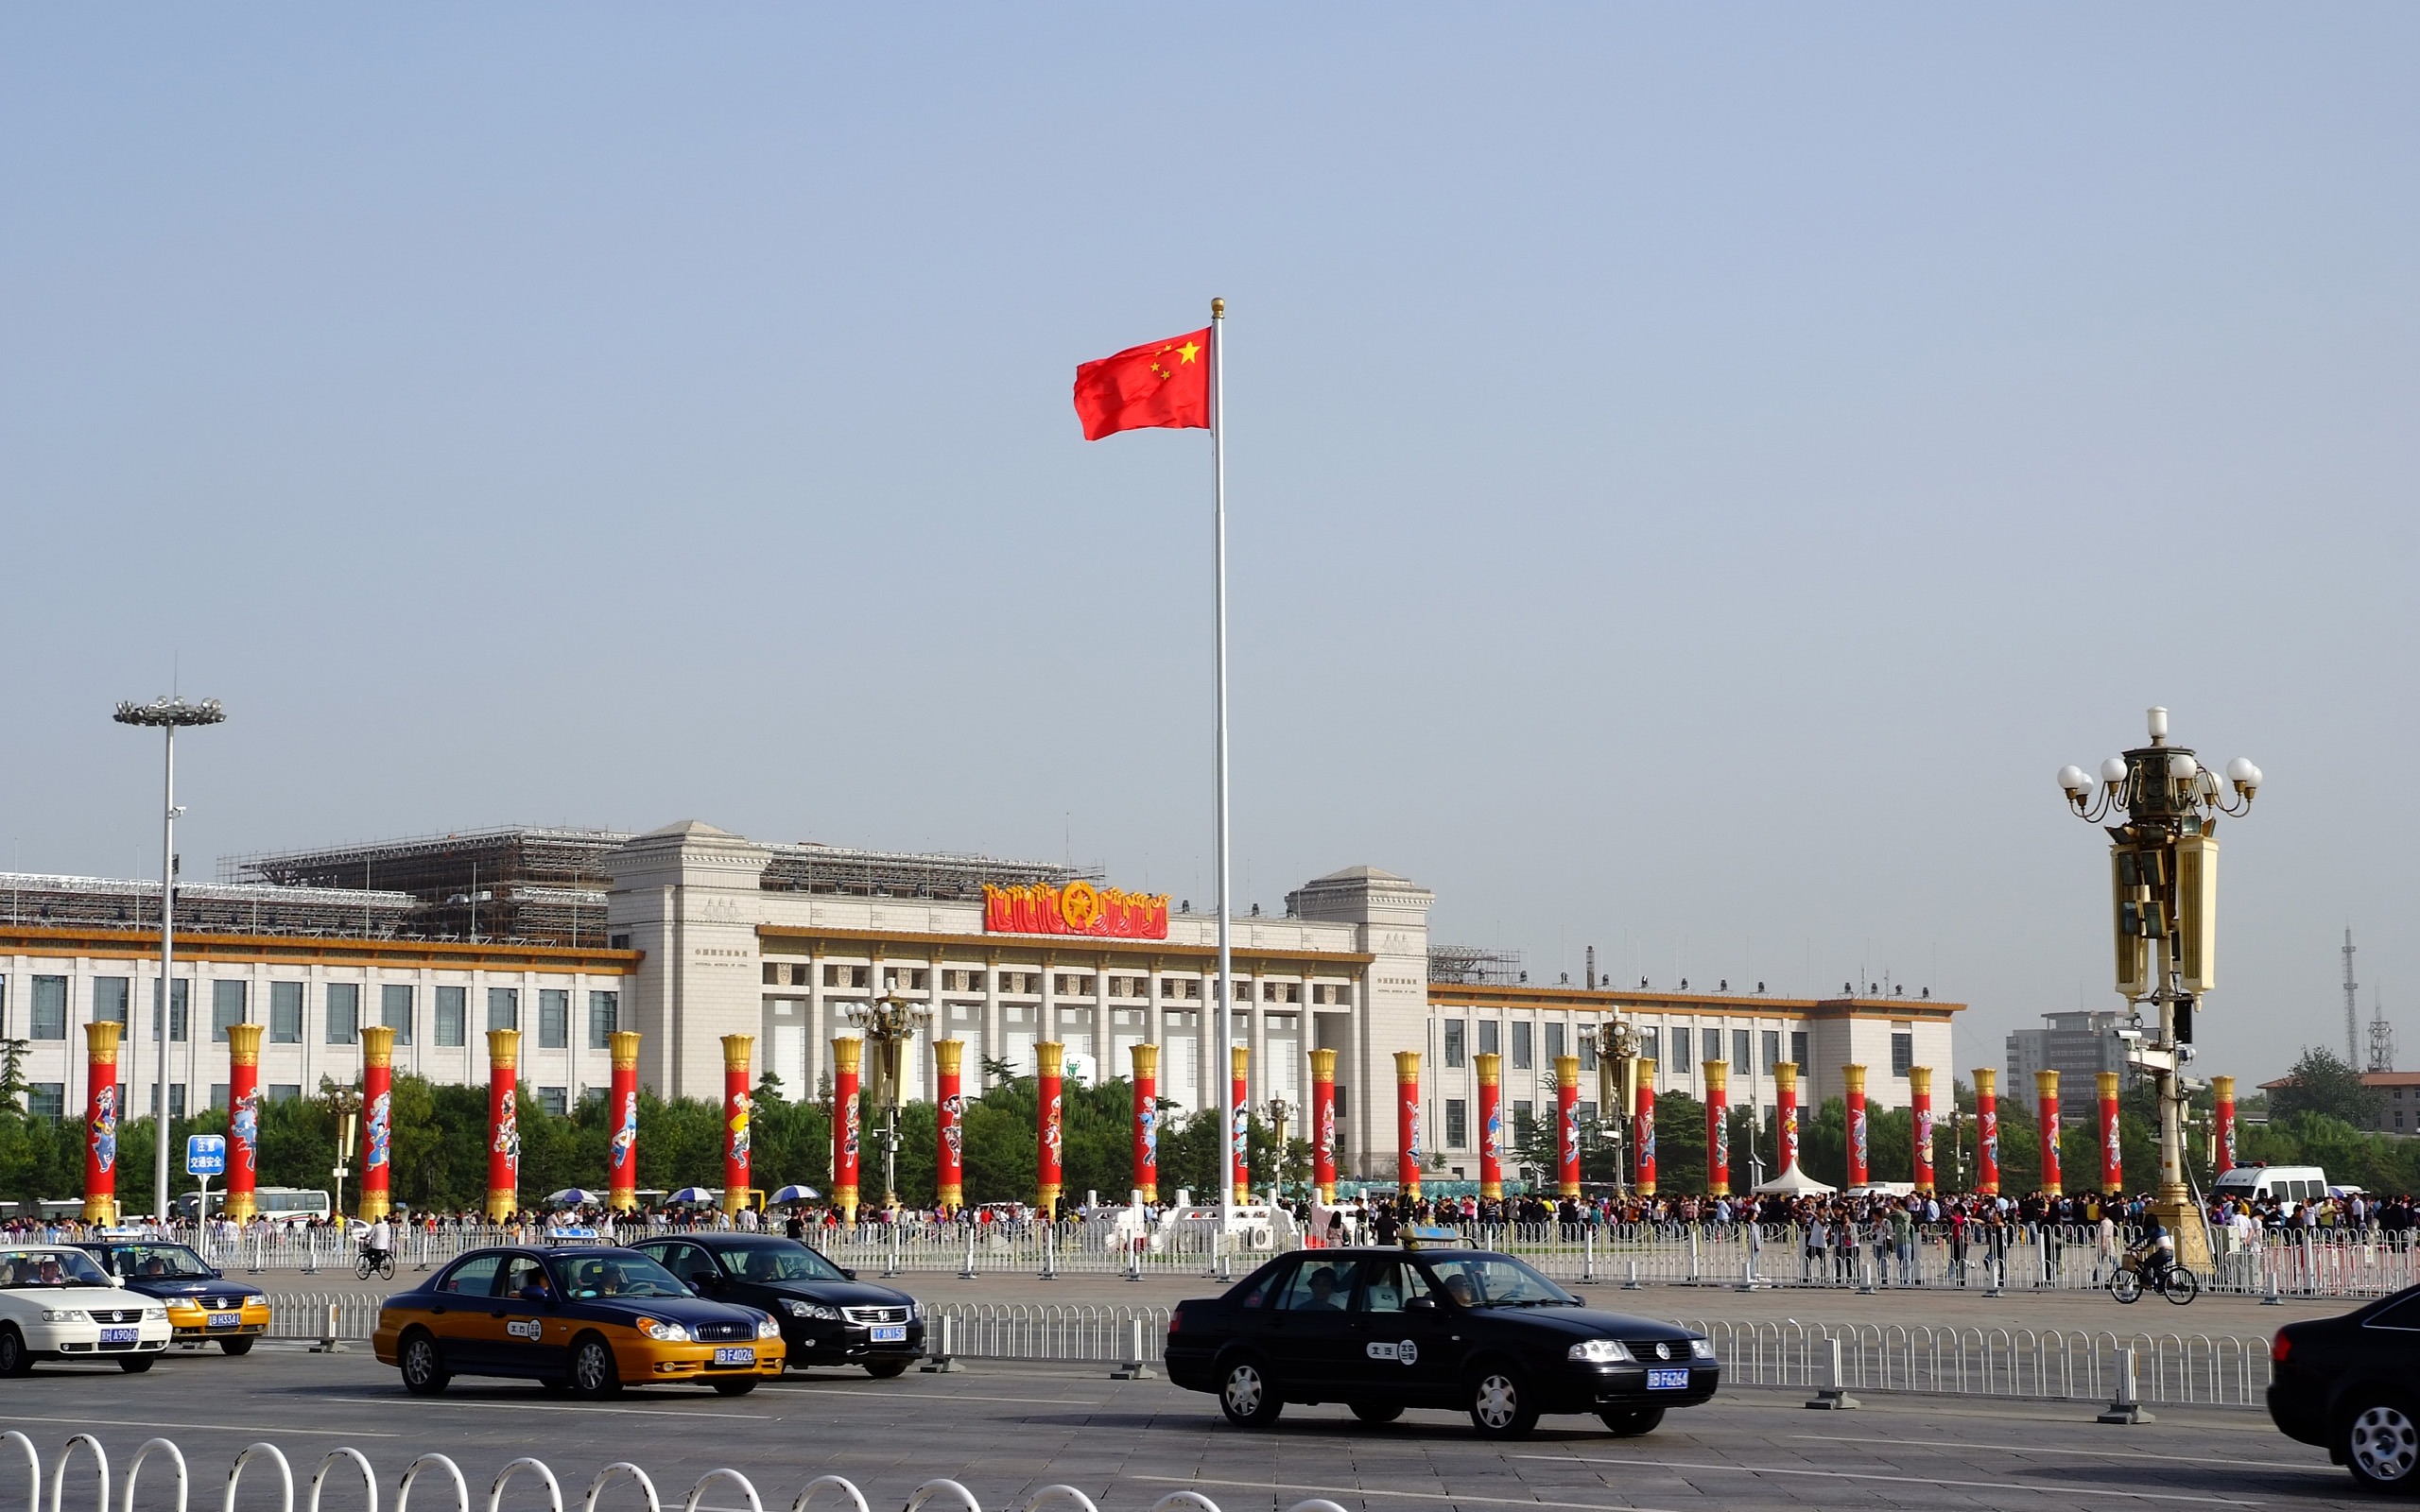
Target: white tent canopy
{"x":1796,"y":1183}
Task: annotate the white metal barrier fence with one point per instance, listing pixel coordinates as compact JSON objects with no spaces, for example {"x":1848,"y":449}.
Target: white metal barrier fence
{"x":2223,"y":1370}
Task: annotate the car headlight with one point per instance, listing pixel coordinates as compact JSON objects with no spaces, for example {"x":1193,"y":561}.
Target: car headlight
{"x":768,"y":1329}
{"x":663,"y":1333}
{"x":813,"y":1310}
{"x":61,"y":1314}
{"x":1600,"y":1351}
{"x":155,"y":1315}
{"x":1701,"y":1349}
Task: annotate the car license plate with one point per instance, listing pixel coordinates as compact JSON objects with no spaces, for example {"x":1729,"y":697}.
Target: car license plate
{"x":226,"y":1320}
{"x":1667,"y":1381}
{"x":745,"y":1355}
{"x":890,"y":1334}
{"x":120,"y":1335}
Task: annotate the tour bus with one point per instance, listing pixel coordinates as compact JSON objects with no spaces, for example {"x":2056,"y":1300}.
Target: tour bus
{"x":2291,"y":1185}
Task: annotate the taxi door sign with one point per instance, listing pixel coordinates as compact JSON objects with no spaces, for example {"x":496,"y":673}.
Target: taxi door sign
{"x":1406,"y":1352}
{"x":205,"y":1154}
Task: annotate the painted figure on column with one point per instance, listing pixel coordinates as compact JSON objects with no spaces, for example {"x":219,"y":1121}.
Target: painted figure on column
{"x":1852,"y":1079}
{"x":1987,"y":1131}
{"x":243,"y":1119}
{"x":1566,"y":1117}
{"x":101,"y":1122}
{"x":622,"y":1155}
{"x":1643,"y":1120}
{"x":1489,"y":1068}
{"x":2113,"y":1154}
{"x":848,"y":1064}
{"x":1324,"y":1123}
{"x":949,"y":1067}
{"x":2222,"y":1121}
{"x":1786,"y":1114}
{"x":1239,"y":1059}
{"x":504,"y":1124}
{"x":1050,"y":1137}
{"x":738,"y":1104}
{"x":377,"y":1120}
{"x":1407,"y":1122}
{"x":1920,"y":1123}
{"x":1147,"y":1121}
{"x":1718,"y":1128}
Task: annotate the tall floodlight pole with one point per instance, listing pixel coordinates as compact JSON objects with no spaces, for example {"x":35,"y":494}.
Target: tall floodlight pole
{"x":168,"y":715}
{"x":2164,"y":874}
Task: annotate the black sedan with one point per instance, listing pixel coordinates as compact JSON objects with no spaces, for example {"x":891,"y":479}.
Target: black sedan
{"x":2351,"y":1385}
{"x":828,"y":1317}
{"x":1382,"y":1330}
{"x":203,"y":1305}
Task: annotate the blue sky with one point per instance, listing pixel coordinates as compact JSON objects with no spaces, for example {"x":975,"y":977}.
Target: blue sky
{"x":1697,"y":472}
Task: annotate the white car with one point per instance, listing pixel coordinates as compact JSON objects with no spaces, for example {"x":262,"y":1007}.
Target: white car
{"x":57,"y":1305}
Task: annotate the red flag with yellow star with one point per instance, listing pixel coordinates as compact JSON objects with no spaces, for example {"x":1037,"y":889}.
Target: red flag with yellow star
{"x":1164,"y":384}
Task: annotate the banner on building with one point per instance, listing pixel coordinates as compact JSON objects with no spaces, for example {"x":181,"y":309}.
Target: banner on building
{"x":1078,"y":908}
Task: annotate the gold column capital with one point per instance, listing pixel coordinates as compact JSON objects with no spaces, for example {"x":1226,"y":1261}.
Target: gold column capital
{"x":102,"y":1040}
{"x":1920,"y":1080}
{"x":1987,"y":1082}
{"x":1717,"y":1076}
{"x":949,"y":1057}
{"x":377,"y":1045}
{"x":2105,"y":1084}
{"x":625,"y":1047}
{"x":1147,"y":1061}
{"x":1050,"y":1058}
{"x":1566,"y":1072}
{"x":1408,"y":1068}
{"x":1239,"y":1060}
{"x":848,"y":1054}
{"x":1852,"y":1079}
{"x":737,"y":1051}
{"x":2046,"y":1084}
{"x":504,"y":1048}
{"x":1785,"y":1076}
{"x":244,"y":1044}
{"x":2223,"y":1089}
{"x":1322,"y":1065}
{"x":1488,"y":1067}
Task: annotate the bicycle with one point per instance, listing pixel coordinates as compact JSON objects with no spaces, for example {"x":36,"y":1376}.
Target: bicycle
{"x":378,"y":1262}
{"x":2176,"y":1284}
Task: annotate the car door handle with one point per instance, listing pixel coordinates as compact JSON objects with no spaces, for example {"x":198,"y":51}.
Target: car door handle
{"x":499,"y":1313}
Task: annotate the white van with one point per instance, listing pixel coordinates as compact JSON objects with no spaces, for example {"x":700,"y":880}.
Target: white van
{"x":2291,"y":1185}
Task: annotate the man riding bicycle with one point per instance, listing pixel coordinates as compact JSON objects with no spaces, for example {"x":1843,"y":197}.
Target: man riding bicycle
{"x":2156,"y":1256}
{"x":378,"y":1244}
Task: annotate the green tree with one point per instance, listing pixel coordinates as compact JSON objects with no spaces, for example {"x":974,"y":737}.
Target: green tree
{"x":2322,"y":1083}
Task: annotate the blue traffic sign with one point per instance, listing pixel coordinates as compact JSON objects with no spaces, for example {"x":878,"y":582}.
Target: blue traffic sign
{"x":206,"y":1155}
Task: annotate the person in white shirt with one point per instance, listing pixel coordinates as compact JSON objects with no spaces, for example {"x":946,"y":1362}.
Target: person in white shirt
{"x":380,"y":1242}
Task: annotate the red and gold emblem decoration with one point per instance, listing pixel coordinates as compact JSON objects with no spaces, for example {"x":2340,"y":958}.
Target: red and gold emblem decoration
{"x":1078,"y":908}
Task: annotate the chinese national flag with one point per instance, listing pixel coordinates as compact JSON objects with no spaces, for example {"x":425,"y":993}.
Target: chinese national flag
{"x":1164,"y":384}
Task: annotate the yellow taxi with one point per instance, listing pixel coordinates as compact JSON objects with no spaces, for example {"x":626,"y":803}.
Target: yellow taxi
{"x":204,"y":1305}
{"x":587,"y":1320}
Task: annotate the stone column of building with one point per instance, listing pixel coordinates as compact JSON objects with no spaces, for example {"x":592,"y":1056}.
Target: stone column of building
{"x":1786,"y":1114}
{"x":1853,"y":1083}
{"x":1488,"y":1068}
{"x":1240,"y":1140}
{"x":1104,"y":1041}
{"x":504,"y":1124}
{"x":2112,"y":1159}
{"x":995,"y":1034}
{"x":101,"y":1122}
{"x":938,"y":1001}
{"x":379,"y":1121}
{"x":1718,"y":1128}
{"x":814,"y":1034}
{"x":1920,"y":1128}
{"x":622,"y":1161}
{"x":1987,"y":1132}
{"x":1566,"y":1121}
{"x":848,"y":1064}
{"x":738,"y":1102}
{"x":1155,"y":1018}
{"x":1047,"y":1025}
{"x":2046,"y":1114}
{"x":1361,"y":1128}
{"x":1643,"y":1127}
{"x":2222,"y":1121}
{"x":1407,"y":1122}
{"x":949,"y":1057}
{"x":1324,"y":1123}
{"x":1050,"y":1059}
{"x":1147,"y":1120}
{"x":243,"y":1119}
{"x":1256,"y":1036}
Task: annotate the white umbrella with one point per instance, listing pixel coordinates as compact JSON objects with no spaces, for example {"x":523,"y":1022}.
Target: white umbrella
{"x":575,"y":1197}
{"x":795,"y":1193}
{"x":704,"y":1194}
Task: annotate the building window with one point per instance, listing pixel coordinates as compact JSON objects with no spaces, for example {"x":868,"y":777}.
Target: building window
{"x":1798,"y":1049}
{"x":1554,"y":1043}
{"x":284,"y":1092}
{"x":177,"y":1001}
{"x":1525,"y":1054}
{"x":395,"y":1010}
{"x":503,"y":1007}
{"x":226,"y":1008}
{"x":1524,"y":1114}
{"x":176,"y":1099}
{"x":453,"y":1016}
{"x":344,"y":1013}
{"x":47,"y":1099}
{"x":111,"y":996}
{"x":285,"y":1013}
{"x":1491,"y":1037}
{"x":1772,"y":1050}
{"x":1744,"y":1057}
{"x":554,"y":1019}
{"x":1903,"y":1054}
{"x":1679,"y":1046}
{"x":1454,"y":1028}
{"x":1586,"y":1112}
{"x":50,"y":1007}
{"x":604,"y":1018}
{"x":1458,"y":1124}
{"x":552,"y":1098}
{"x":1588,"y":1048}
{"x":218,"y":1094}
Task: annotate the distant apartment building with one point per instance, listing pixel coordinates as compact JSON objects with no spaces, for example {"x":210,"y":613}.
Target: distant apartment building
{"x":2078,"y":1046}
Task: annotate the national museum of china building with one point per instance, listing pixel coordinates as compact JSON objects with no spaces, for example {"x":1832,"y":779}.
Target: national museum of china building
{"x":690,"y":932}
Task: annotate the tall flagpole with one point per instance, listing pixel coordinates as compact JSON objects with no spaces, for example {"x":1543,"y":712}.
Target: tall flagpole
{"x":1217,"y":1067}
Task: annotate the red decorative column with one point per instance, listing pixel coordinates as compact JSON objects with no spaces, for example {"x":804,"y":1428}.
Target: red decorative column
{"x":622,"y":1105}
{"x":1566,"y":1124}
{"x":377,"y":1120}
{"x":1051,"y":1058}
{"x":1407,"y":1122}
{"x":848,"y":1060}
{"x":1147,"y":1120}
{"x":2046,"y":1114}
{"x":243,"y":1119}
{"x":1920,"y":1125}
{"x":1240,"y":1064}
{"x":738,"y":1052}
{"x":1852,"y":1079}
{"x":504,"y":1124}
{"x":1324,"y":1123}
{"x":1718,"y":1128}
{"x":1643,"y":1120}
{"x":101,"y":1122}
{"x":2113,"y":1154}
{"x":2222,"y":1101}
{"x":1489,"y":1068}
{"x":1987,"y":1131}
{"x":949,"y":1169}
{"x":1786,"y":1113}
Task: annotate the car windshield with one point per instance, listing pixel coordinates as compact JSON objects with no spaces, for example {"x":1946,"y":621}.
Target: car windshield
{"x":49,"y":1267}
{"x":160,"y":1263}
{"x":585,"y":1277}
{"x":784,"y":1261}
{"x":1497,"y":1280}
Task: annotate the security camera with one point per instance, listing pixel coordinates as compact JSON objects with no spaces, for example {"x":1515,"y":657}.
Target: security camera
{"x":2129,"y":1036}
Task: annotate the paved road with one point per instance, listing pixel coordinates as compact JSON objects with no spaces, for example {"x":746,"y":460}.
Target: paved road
{"x":1007,"y":1431}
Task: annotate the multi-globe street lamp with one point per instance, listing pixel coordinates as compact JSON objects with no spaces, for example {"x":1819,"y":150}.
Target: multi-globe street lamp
{"x":2164,"y":877}
{"x":889,"y":1026}
{"x":168,"y":715}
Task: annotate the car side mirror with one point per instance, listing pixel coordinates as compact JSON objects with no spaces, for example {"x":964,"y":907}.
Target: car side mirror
{"x":1420,"y":1304}
{"x":118,"y":1282}
{"x":848,"y":1274}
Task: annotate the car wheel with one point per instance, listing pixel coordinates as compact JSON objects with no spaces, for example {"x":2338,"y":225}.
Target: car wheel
{"x":14,"y":1360}
{"x":2380,"y":1442}
{"x":1374,"y":1413}
{"x":593,"y":1375}
{"x":885,"y":1369}
{"x":236,"y":1346}
{"x":1628,"y":1422}
{"x":1502,"y":1406}
{"x":1247,"y":1396}
{"x":423,"y":1368}
{"x":134,"y":1364}
{"x":735,"y":1388}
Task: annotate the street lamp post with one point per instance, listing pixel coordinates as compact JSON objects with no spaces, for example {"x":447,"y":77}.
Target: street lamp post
{"x":1279,"y":1111}
{"x":1616,"y":1085}
{"x":168,"y":715}
{"x":2163,"y":872}
{"x":888,"y":1026}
